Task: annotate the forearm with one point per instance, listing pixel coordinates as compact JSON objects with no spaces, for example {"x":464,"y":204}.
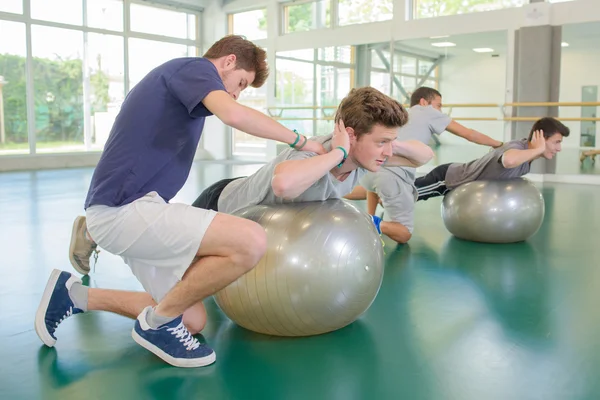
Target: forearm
{"x":395,"y":231}
{"x":410,"y":153}
{"x":258,"y":124}
{"x":293,"y":177}
{"x":513,"y":158}
{"x":482,"y":139}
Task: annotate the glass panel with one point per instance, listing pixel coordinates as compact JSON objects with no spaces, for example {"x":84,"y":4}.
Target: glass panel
{"x":381,"y":82}
{"x":424,"y":67}
{"x":431,"y":83}
{"x":13,"y":101}
{"x":251,"y":24}
{"x":65,"y":11}
{"x":436,"y":8}
{"x":12,"y":6}
{"x":105,"y":14}
{"x":359,"y":11}
{"x":107,"y":84}
{"x":588,"y":128}
{"x":160,"y":21}
{"x":145,"y":55}
{"x":57,"y":75}
{"x":307,"y":16}
{"x":248,"y":146}
{"x":405,"y":64}
{"x":294,"y":83}
{"x":376,"y":61}
{"x":304,"y":54}
{"x":408,"y":83}
{"x":333,"y":85}
{"x":337,"y":53}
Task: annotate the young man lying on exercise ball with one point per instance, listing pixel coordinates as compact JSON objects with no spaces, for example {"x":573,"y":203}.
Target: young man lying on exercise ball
{"x":394,"y":186}
{"x":364,"y":139}
{"x":511,"y":160}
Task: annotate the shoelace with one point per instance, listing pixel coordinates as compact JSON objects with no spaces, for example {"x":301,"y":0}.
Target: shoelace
{"x":68,"y":314}
{"x":184,"y":336}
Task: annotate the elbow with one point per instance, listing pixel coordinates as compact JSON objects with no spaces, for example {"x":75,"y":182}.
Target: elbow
{"x":424,"y":156}
{"x":281,"y":187}
{"x":508,"y":162}
{"x":230,"y":118}
{"x":428,"y":154}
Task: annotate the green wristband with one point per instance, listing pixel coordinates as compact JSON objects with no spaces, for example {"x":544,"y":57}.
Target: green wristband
{"x":297,"y":139}
{"x":345,"y":156}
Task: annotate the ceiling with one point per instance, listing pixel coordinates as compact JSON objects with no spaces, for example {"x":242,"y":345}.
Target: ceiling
{"x":464,"y":44}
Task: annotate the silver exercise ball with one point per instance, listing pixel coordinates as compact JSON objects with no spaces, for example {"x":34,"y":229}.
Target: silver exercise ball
{"x":323,"y":268}
{"x":502,"y":211}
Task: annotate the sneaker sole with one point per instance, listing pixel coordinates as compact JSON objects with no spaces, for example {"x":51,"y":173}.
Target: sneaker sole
{"x":76,"y":225}
{"x":177,"y":362}
{"x":40,"y":320}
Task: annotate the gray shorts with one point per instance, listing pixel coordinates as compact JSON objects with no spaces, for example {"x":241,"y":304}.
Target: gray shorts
{"x":397,"y":193}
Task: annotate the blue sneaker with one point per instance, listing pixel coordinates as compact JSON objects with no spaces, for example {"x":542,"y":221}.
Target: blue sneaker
{"x":172,"y":342}
{"x":56,"y":305}
{"x":377,"y":223}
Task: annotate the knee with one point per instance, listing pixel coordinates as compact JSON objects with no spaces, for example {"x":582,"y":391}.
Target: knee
{"x":194,"y":320}
{"x":251,"y":246}
{"x":403,"y":239}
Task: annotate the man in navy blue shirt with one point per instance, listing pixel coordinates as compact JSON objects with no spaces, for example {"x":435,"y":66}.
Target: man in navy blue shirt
{"x":179,"y":253}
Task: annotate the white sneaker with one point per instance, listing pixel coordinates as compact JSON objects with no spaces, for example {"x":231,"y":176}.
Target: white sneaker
{"x":81,"y":247}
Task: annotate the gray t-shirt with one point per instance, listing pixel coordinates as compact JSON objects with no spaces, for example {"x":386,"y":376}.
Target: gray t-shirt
{"x":423,"y":123}
{"x":488,"y":167}
{"x":397,"y":192}
{"x":256,"y":188}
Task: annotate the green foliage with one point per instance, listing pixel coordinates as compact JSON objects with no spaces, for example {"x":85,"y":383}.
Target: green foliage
{"x":294,"y":88}
{"x":58,"y":98}
{"x":358,"y":11}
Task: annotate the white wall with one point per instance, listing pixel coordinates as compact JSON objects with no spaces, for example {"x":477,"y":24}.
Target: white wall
{"x":476,"y":78}
{"x":578,"y":68}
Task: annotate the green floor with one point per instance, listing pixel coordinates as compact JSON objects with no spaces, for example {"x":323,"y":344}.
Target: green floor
{"x":453,"y":320}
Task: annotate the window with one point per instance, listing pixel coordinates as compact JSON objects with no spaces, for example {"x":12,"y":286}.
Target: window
{"x":361,"y":11}
{"x":58,"y":82}
{"x":105,"y":14}
{"x":307,"y":16}
{"x":410,"y":71}
{"x":159,"y":21}
{"x":106,"y":81}
{"x":313,"y":88}
{"x":145,"y":55}
{"x":251,"y":24}
{"x":437,"y":8}
{"x":65,"y":11}
{"x":79,"y":76}
{"x":12,"y":6}
{"x":13,"y":97}
{"x":245,"y":145}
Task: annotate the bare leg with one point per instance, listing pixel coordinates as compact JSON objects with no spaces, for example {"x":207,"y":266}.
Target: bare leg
{"x":395,"y":231}
{"x":231,"y":247}
{"x":358,"y":193}
{"x":127,"y":304}
{"x":372,"y":201}
{"x":131,"y":304}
